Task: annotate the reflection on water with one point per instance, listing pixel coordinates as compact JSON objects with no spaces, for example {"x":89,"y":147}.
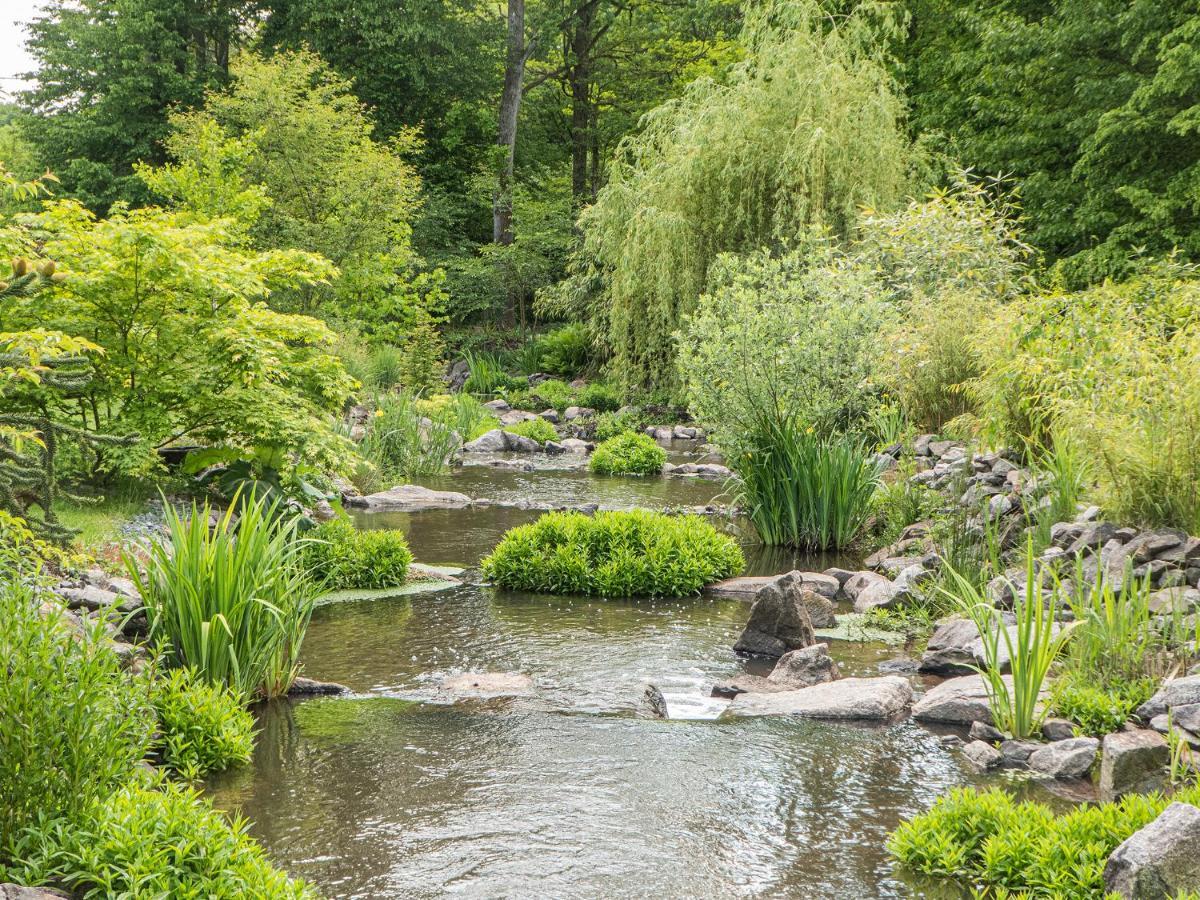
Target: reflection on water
{"x":572,"y":792}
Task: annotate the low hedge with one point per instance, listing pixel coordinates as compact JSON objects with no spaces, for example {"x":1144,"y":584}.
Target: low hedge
{"x":613,"y":554}
{"x":345,"y":558}
{"x":628,"y":454}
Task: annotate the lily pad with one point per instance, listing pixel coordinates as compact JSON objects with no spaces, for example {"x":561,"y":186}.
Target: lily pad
{"x":853,"y":627}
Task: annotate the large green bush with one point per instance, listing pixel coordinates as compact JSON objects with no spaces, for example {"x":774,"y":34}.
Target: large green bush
{"x":613,"y":554}
{"x":230,"y":601}
{"x":73,"y":726}
{"x":565,"y":350}
{"x":342,"y":557}
{"x":989,"y":839}
{"x":628,"y":454}
{"x":202,"y":727}
{"x":166,"y":841}
{"x":537,"y":429}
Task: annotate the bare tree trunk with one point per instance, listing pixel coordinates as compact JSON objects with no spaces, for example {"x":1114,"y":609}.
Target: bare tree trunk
{"x":510,"y":106}
{"x":580,"y":76}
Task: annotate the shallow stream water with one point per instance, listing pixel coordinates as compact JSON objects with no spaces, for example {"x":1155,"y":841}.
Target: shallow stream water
{"x":571,"y":792}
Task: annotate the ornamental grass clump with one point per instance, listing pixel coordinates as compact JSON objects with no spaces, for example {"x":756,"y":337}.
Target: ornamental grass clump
{"x":613,"y":554}
{"x":628,"y":454}
{"x":801,"y":489}
{"x":231,"y":601}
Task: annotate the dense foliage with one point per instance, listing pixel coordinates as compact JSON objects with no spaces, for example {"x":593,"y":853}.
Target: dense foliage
{"x":343,"y":557}
{"x":202,"y":727}
{"x":613,"y":554}
{"x":628,"y":454}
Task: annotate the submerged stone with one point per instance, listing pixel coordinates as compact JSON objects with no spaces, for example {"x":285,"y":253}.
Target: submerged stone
{"x":847,"y":698}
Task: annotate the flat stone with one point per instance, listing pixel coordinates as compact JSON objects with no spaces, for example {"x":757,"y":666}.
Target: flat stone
{"x":1065,"y":759}
{"x":1176,"y":692}
{"x":957,"y":701}
{"x":410,"y":497}
{"x":981,"y":756}
{"x":804,"y":667}
{"x":310,"y":687}
{"x":743,"y":587}
{"x":779,"y":619}
{"x":846,"y":698}
{"x":1159,"y":860}
{"x":487,"y":685}
{"x":516,"y":417}
{"x":94,"y":599}
{"x":1132,"y":762}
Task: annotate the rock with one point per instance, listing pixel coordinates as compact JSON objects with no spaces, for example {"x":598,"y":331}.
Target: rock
{"x":575,"y":445}
{"x":1058,"y":730}
{"x":820,"y":609}
{"x":18,"y":892}
{"x":498,"y":406}
{"x":94,"y":599}
{"x":1160,"y":859}
{"x":742,"y":587}
{"x":487,"y":685}
{"x":941,"y":448}
{"x":985,"y":731}
{"x":981,"y":756}
{"x":859,"y":582}
{"x":1132,"y":762}
{"x":656,"y":703}
{"x":805,"y":667}
{"x":1182,"y":553}
{"x":958,"y":701}
{"x":518,"y":443}
{"x":779,"y":619}
{"x":897,"y":665}
{"x":877,"y":595}
{"x":550,"y":415}
{"x":1073,"y":758}
{"x":494,"y":441}
{"x":841,"y":576}
{"x":578,"y":412}
{"x":515,"y":417}
{"x":409,"y":497}
{"x":310,"y":687}
{"x":746,"y":684}
{"x":921,"y":444}
{"x":1171,"y":600}
{"x":1015,"y":754}
{"x":553,"y":448}
{"x":1092,"y":537}
{"x":1176,"y":692}
{"x":456,"y":378}
{"x":698,"y":470}
{"x":951,"y":648}
{"x":846,"y":698}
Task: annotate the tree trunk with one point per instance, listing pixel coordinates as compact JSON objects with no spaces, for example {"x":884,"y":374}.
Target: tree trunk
{"x":580,"y":76}
{"x":510,"y":106}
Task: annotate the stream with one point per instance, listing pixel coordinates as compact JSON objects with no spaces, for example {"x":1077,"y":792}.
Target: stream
{"x":571,"y":792}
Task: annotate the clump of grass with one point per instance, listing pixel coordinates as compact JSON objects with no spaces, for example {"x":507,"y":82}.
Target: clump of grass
{"x":487,"y":375}
{"x":537,"y":429}
{"x":613,"y":554}
{"x":342,"y":557}
{"x":401,"y":444}
{"x":202,"y":727}
{"x":801,"y":489}
{"x":628,"y":454}
{"x":232,"y":601}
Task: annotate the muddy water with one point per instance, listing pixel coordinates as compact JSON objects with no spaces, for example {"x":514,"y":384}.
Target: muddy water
{"x":568,"y":792}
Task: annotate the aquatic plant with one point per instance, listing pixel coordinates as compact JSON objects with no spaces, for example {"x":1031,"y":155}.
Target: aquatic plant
{"x":801,"y":489}
{"x":401,"y":442}
{"x":229,"y":600}
{"x":613,"y":554}
{"x":342,"y":557}
{"x":628,"y":454}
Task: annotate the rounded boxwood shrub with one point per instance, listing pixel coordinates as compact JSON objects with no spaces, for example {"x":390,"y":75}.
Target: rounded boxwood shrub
{"x":613,"y":554}
{"x":538,"y":429}
{"x":345,"y":558}
{"x":202,"y":727}
{"x":628,"y":454}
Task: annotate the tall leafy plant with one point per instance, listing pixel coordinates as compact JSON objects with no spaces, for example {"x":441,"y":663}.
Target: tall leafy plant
{"x":229,"y":599}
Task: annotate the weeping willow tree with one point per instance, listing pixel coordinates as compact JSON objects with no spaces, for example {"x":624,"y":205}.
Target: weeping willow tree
{"x":808,"y":129}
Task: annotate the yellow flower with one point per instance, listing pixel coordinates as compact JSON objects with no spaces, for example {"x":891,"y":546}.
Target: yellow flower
{"x":379,"y":413}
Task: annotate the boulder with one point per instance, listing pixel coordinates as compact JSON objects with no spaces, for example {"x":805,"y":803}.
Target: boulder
{"x":981,"y":756}
{"x":19,"y":892}
{"x":779,"y":619}
{"x":578,"y":412}
{"x":746,"y":684}
{"x":957,"y":701}
{"x":1058,"y":729}
{"x":846,"y":698}
{"x":494,"y":441}
{"x":498,"y":406}
{"x":1132,"y":762}
{"x":859,"y":582}
{"x":821,"y":583}
{"x":820,"y":609}
{"x":486,"y":685}
{"x":1186,"y":716}
{"x":550,"y":415}
{"x":1172,"y":600}
{"x":985,"y":731}
{"x":804,"y":667}
{"x":310,"y":687}
{"x":575,"y":445}
{"x":1065,"y":759}
{"x":881,"y":594}
{"x":94,"y":599}
{"x":408,"y":498}
{"x":1015,"y":754}
{"x":951,"y":648}
{"x":518,"y":443}
{"x":1160,"y":859}
{"x":1176,"y":692}
{"x":515,"y":417}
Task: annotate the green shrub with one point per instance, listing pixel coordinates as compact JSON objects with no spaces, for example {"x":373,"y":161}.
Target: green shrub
{"x":1100,"y":709}
{"x":552,"y":394}
{"x":344,"y":558}
{"x":628,"y":454}
{"x":989,"y":839}
{"x":599,"y":396}
{"x":613,"y":554}
{"x":565,"y":350}
{"x":232,"y":602}
{"x":538,"y":429}
{"x":801,"y":489}
{"x":143,"y":842}
{"x":611,"y":424}
{"x":72,"y":725}
{"x":202,"y":727}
